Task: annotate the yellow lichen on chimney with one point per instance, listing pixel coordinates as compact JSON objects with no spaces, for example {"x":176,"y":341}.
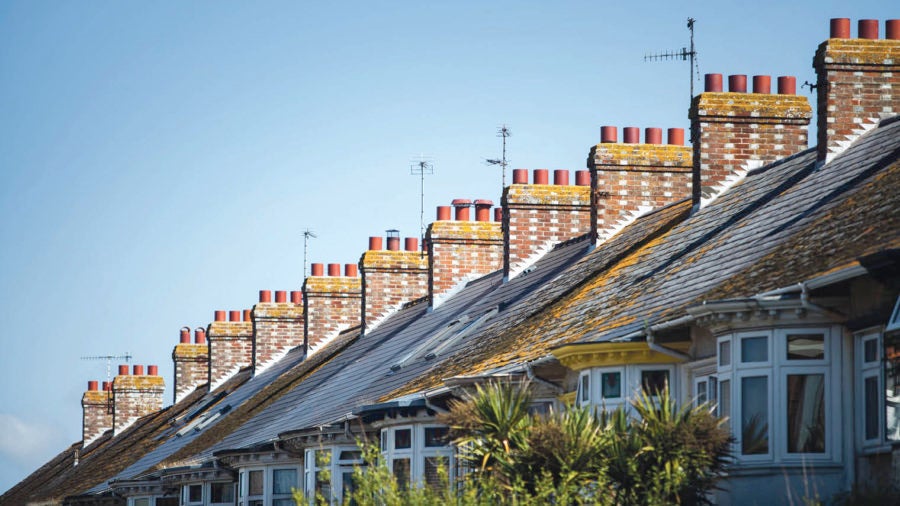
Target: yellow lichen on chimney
{"x":328,"y":284}
{"x":476,"y":230}
{"x":643,"y":155}
{"x":280,"y":309}
{"x":861,"y":52}
{"x":549,"y":194}
{"x":138,"y":382}
{"x":374,"y":259}
{"x":231,"y":328}
{"x":189,"y":351}
{"x":95,"y":397}
{"x":758,"y":106}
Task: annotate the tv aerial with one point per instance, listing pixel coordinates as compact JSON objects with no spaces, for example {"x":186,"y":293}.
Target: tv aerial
{"x":683,"y":54}
{"x":109,"y":358}
{"x":503,"y":133}
{"x":307,"y":234}
{"x":421,"y":166}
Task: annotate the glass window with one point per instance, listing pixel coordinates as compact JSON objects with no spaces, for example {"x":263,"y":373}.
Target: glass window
{"x":221,"y":493}
{"x":806,"y":413}
{"x":193,"y":493}
{"x":701,"y":393}
{"x":432,"y":476}
{"x":283,"y":502}
{"x":754,"y":415}
{"x":401,"y":470}
{"x":754,"y":349}
{"x":436,"y":436}
{"x":283,"y":480}
{"x":724,"y":408}
{"x":256,"y":483}
{"x":871,"y":351}
{"x":806,"y":347}
{"x":654,"y":381}
{"x":612,"y":385}
{"x":724,"y":353}
{"x":891,"y":386}
{"x":142,"y":501}
{"x":585,"y":388}
{"x":870,"y":411}
{"x":402,"y":439}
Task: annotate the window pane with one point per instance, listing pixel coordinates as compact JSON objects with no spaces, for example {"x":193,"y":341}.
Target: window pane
{"x":871,"y":350}
{"x":806,"y":413}
{"x":350,"y":456}
{"x":654,"y":382}
{"x":143,"y":501}
{"x":806,"y":346}
{"x":323,"y":486}
{"x":754,"y":415}
{"x":585,"y":388}
{"x":871,"y":407}
{"x":402,"y":439}
{"x":891,"y":387}
{"x":255,"y":503}
{"x":283,"y":502}
{"x":436,"y":436}
{"x":194,"y":493}
{"x":283,"y":480}
{"x":432,"y":477}
{"x":724,"y":399}
{"x":349,"y":486}
{"x":256,"y":483}
{"x":612,"y":385}
{"x":755,"y":349}
{"x":401,"y":472}
{"x":700,"y":394}
{"x":725,"y":353}
{"x":221,"y":493}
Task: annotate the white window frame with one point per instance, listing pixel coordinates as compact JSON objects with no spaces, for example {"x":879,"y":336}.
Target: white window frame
{"x":268,"y":497}
{"x":208,"y":493}
{"x":629,"y":384}
{"x":185,"y":494}
{"x":417,"y":452}
{"x":865,"y":371}
{"x":336,"y":467}
{"x":151,"y":501}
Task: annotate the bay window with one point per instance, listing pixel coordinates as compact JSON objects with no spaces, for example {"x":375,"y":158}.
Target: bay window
{"x":329,"y":472}
{"x":416,"y":453}
{"x":267,"y":486}
{"x":608,"y":388}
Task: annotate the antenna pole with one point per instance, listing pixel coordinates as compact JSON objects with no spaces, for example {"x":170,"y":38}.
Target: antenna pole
{"x":690,"y":25}
{"x":421,"y":167}
{"x":109,"y":358}
{"x":306,"y":235}
{"x":684,"y":54}
{"x":503,"y":133}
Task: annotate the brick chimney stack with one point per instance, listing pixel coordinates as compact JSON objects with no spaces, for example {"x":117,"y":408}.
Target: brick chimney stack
{"x":540,"y":215}
{"x":136,"y":395}
{"x":391,"y":277}
{"x":333,"y":302}
{"x":230,"y":345}
{"x":277,"y":327}
{"x":857,"y":79}
{"x":191,"y":362}
{"x":460,"y":249}
{"x":736,"y":131}
{"x":629,"y":178}
{"x":97,"y":416}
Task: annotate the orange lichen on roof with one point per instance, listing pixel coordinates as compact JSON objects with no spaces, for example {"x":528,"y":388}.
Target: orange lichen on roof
{"x":758,"y":106}
{"x":474,"y":230}
{"x":231,"y":328}
{"x":860,"y":52}
{"x":375,"y":259}
{"x":190,"y":350}
{"x":650,"y":157}
{"x":332,"y":285}
{"x":548,"y":194}
{"x":281,"y":309}
{"x":139,"y":382}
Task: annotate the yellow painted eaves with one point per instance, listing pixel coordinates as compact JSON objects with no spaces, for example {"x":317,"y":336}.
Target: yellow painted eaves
{"x":583,"y":356}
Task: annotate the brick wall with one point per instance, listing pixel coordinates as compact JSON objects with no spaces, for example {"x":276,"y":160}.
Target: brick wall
{"x":391,"y":277}
{"x":539,"y":215}
{"x":629,"y":178}
{"x":857,"y":79}
{"x":230,"y":347}
{"x":333,"y":304}
{"x":459,"y":249}
{"x":277,"y":326}
{"x":735,"y":131}
{"x":97,"y":417}
{"x":191,"y":361}
{"x":135,"y":396}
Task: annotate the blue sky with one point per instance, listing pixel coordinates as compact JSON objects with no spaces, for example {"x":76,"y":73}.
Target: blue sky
{"x":160,"y":160}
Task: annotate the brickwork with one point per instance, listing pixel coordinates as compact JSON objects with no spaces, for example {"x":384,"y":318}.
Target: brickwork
{"x":333,"y":304}
{"x":97,"y":417}
{"x":390,"y":279}
{"x":731,"y":131}
{"x":537,"y":216}
{"x":857,"y":79}
{"x":277,"y":328}
{"x":461,"y":249}
{"x":627,"y":179}
{"x":230,"y":348}
{"x":191,"y":362}
{"x":134,"y":397}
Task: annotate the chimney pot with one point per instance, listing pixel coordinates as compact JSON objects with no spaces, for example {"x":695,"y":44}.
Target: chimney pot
{"x":246,"y":315}
{"x":762,"y":84}
{"x":93,"y":385}
{"x":540,"y":176}
{"x":199,"y":335}
{"x":443,"y":213}
{"x":185,"y":335}
{"x":840,"y":28}
{"x":152,"y":370}
{"x":712,"y":83}
{"x":498,"y":214}
{"x":561,"y":177}
{"x":375,"y":243}
{"x":520,"y":176}
{"x":265,"y":296}
{"x":296,"y":297}
{"x":483,"y":210}
{"x":219,"y":316}
{"x":410,"y":244}
{"x":462,"y":209}
{"x":280,"y":296}
{"x":318,"y":269}
{"x":138,"y":370}
{"x":787,"y":85}
{"x":653,"y":135}
{"x":351,"y":270}
{"x":393,"y":245}
{"x":608,"y":134}
{"x":868,"y":28}
{"x":582,"y":178}
{"x":107,"y":386}
{"x":234,"y":316}
{"x":892,"y":29}
{"x":737,"y":83}
{"x":123,"y":369}
{"x":675,"y":136}
{"x":631,"y":135}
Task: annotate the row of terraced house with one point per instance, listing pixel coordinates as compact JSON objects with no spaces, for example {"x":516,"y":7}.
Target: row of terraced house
{"x":743,"y":268}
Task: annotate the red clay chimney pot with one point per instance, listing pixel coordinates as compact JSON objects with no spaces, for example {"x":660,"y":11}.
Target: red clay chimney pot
{"x":335,"y":269}
{"x":675,"y":137}
{"x":219,"y":316}
{"x":246,"y":315}
{"x":868,"y":28}
{"x":123,"y":369}
{"x":107,"y":386}
{"x":393,"y":243}
{"x":152,"y":370}
{"x":351,"y":270}
{"x":280,"y":296}
{"x":93,"y":385}
{"x":296,"y":297}
{"x":265,"y":296}
{"x":653,"y":135}
{"x":892,"y":29}
{"x":483,"y":210}
{"x":582,"y":178}
{"x":234,"y":316}
{"x":520,"y":176}
{"x":318,"y":269}
{"x":561,"y":177}
{"x":737,"y":83}
{"x":375,"y":243}
{"x":443,"y":213}
{"x":138,"y":370}
{"x":185,"y":335}
{"x":540,"y":176}
{"x":762,"y":84}
{"x":787,"y":85}
{"x":411,"y":244}
{"x":631,"y":135}
{"x":462,"y":209}
{"x":199,"y":335}
{"x":608,"y":134}
{"x":840,"y":28}
{"x":712,"y":83}
{"x":498,"y":214}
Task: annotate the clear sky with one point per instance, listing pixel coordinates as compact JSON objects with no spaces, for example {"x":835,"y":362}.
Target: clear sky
{"x":160,"y":160}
